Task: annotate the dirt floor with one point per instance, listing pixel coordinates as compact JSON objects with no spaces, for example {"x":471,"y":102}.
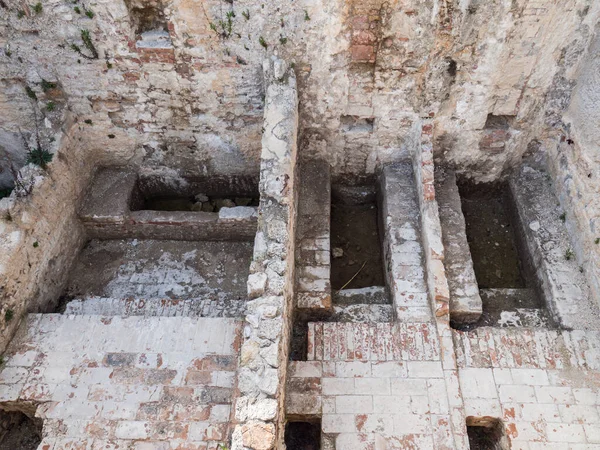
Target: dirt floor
{"x":491,"y":237}
{"x":23,"y":433}
{"x":354,"y":231}
{"x":161,"y":269}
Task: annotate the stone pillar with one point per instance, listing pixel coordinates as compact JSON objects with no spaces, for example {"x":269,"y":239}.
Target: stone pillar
{"x":259,"y":409}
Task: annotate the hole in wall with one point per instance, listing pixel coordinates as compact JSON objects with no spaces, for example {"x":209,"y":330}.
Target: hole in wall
{"x":355,"y":124}
{"x":356,"y":249}
{"x":494,"y":122}
{"x":208,"y":195}
{"x":146,"y":15}
{"x":487,"y":433}
{"x":452,"y":67}
{"x":303,"y":435}
{"x":19,"y":431}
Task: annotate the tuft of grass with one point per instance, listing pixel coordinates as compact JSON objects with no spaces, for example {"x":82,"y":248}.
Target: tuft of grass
{"x":36,"y":244}
{"x":47,"y":85}
{"x":8,"y":53}
{"x":306,"y":16}
{"x":90,"y":14}
{"x":39,"y":157}
{"x":30,"y":93}
{"x":263,"y":43}
{"x":77,"y":10}
{"x":563,"y":217}
{"x":597,"y":241}
{"x":50,"y":106}
{"x":88,"y":121}
{"x":20,"y":14}
{"x":283,"y":40}
{"x":1,"y":360}
{"x":109,"y":65}
{"x":569,"y":255}
{"x":246,"y":14}
{"x":9,"y":314}
{"x":111,"y":136}
{"x":38,"y":8}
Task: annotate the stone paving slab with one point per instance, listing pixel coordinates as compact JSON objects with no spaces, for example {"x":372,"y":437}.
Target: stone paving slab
{"x":544,"y":385}
{"x":377,"y":386}
{"x":134,"y":382}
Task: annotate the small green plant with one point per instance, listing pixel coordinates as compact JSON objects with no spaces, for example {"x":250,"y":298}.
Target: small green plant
{"x":246,"y":14}
{"x":283,"y":40}
{"x":569,"y":255}
{"x":77,"y":10}
{"x":563,"y":217}
{"x":50,"y":106}
{"x":1,"y":360}
{"x":8,"y":53}
{"x":109,"y":65}
{"x":36,"y":244}
{"x":263,"y":43}
{"x":30,"y":93}
{"x":111,"y":136}
{"x":306,"y":16}
{"x":20,"y":14}
{"x":9,"y":314}
{"x":597,"y":241}
{"x":39,"y":156}
{"x":89,"y":13}
{"x":221,"y":446}
{"x":47,"y":85}
{"x":88,"y":121}
{"x":37,"y":8}
{"x":87,"y":41}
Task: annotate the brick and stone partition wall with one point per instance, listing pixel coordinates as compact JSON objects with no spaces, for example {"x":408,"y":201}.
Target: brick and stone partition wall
{"x":465,"y":301}
{"x":40,"y":234}
{"x":261,"y":379}
{"x":107,"y":214}
{"x":544,"y":385}
{"x":313,"y":258}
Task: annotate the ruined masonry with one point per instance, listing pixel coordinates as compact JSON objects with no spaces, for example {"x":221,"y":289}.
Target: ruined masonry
{"x":335,"y":225}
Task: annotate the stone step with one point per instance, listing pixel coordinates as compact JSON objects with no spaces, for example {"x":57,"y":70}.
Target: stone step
{"x":338,"y":341}
{"x":513,"y":308}
{"x":507,"y":299}
{"x":363,"y":313}
{"x":152,"y":307}
{"x":373,"y":295}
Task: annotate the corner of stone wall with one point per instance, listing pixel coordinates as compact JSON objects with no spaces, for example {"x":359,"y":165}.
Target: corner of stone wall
{"x":259,"y":409}
{"x":40,"y":234}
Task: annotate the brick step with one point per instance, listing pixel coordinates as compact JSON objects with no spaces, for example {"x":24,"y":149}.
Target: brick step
{"x":363,"y":313}
{"x":163,"y":307}
{"x":374,"y":295}
{"x":528,"y":348}
{"x":335,"y":341}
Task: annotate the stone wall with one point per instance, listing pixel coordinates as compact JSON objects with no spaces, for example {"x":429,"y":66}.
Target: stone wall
{"x":40,"y":234}
{"x":177,"y":87}
{"x":259,"y":410}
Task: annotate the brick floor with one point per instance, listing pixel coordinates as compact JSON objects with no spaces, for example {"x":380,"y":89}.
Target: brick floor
{"x":134,"y":382}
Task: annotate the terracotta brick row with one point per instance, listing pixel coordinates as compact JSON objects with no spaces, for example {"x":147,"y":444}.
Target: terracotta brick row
{"x":372,"y":342}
